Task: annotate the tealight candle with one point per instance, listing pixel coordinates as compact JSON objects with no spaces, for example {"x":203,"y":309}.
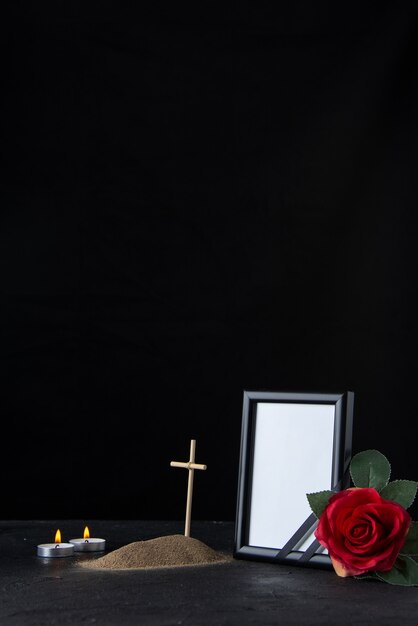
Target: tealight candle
{"x":57,"y":549}
{"x":88,"y":544}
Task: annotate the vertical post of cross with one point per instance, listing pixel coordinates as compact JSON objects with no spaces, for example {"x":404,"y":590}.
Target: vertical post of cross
{"x":191,"y":466}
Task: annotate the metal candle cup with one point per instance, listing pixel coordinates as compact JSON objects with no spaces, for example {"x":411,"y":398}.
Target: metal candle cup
{"x":88,"y":544}
{"x":55,"y":550}
{"x":94,"y":544}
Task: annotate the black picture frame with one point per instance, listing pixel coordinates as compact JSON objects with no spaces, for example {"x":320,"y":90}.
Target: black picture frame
{"x":341,"y":455}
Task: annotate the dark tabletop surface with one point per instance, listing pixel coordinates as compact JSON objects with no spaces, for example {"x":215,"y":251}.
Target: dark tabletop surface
{"x":57,"y":591}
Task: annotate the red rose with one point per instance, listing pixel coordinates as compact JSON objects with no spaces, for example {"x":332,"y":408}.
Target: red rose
{"x":362,"y":531}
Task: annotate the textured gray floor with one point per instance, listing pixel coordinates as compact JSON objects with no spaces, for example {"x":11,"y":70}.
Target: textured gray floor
{"x":38,"y":591}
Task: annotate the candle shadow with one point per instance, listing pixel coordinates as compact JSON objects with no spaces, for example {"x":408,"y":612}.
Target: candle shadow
{"x":55,"y":564}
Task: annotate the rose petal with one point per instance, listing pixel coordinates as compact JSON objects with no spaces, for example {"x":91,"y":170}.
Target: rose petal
{"x":362,"y":531}
{"x":342,"y":571}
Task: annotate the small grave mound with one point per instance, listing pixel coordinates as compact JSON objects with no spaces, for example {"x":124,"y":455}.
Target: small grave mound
{"x":169,"y":551}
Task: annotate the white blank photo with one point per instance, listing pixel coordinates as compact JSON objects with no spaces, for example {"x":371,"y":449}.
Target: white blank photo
{"x":292,"y":457}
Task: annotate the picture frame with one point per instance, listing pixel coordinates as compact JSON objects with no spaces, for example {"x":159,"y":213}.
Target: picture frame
{"x":291,"y":444}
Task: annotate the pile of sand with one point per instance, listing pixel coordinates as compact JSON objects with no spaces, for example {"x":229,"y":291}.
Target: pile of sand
{"x":170,"y":551}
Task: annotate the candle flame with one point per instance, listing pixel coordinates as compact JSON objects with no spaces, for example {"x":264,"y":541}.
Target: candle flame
{"x":86,"y":533}
{"x":58,"y":536}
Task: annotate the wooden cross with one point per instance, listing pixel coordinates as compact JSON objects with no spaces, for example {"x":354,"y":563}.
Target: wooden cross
{"x":191,"y":466}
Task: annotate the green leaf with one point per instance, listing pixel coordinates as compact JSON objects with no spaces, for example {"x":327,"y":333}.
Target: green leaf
{"x":411,"y":543}
{"x":318,"y":501}
{"x":370,"y":469}
{"x":401,"y":491}
{"x":404,"y":572}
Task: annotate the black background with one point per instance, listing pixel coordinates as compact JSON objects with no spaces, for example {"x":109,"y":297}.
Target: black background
{"x":195,"y":203}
